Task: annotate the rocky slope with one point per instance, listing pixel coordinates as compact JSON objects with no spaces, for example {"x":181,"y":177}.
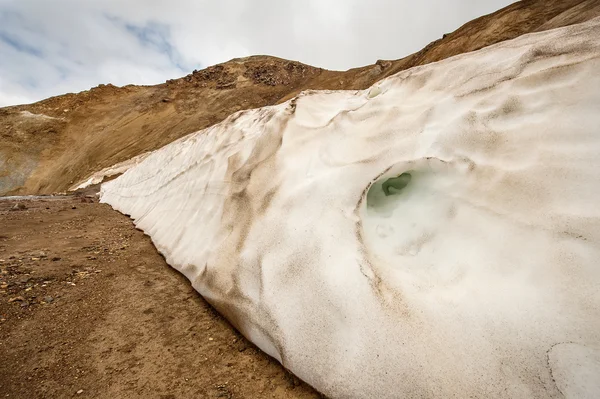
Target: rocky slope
{"x":51,"y":145}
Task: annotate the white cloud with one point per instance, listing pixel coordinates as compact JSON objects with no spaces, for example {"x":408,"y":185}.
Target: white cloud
{"x":52,"y":47}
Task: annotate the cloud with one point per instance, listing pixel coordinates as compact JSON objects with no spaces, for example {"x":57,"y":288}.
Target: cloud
{"x":153,"y":36}
{"x":18,"y":45}
{"x":52,"y":47}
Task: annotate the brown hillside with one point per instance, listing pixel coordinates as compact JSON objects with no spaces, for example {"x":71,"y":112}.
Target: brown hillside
{"x":47,"y":146}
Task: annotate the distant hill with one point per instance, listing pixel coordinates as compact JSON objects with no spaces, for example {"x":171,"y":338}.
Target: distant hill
{"x":50,"y":145}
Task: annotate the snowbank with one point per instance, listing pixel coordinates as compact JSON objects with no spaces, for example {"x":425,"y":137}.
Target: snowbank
{"x":435,"y":236}
{"x":119,"y":168}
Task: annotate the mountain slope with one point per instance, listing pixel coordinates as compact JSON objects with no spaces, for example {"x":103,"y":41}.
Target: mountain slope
{"x":50,"y":145}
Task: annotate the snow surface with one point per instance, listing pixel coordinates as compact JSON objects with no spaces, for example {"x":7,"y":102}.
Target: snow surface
{"x":29,"y":115}
{"x":477,"y":276}
{"x":119,"y":168}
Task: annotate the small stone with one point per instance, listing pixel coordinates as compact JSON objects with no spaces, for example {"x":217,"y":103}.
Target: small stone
{"x":35,"y":259}
{"x":38,"y":254}
{"x":48,"y":299}
{"x":73,"y":207}
{"x":16,"y":299}
{"x":55,"y":258}
{"x":18,"y":207}
{"x":241,"y":346}
{"x":80,"y":392}
{"x":211,"y":339}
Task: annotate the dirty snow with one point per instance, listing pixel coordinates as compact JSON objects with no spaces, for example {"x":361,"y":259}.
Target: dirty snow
{"x":435,"y":236}
{"x":113,"y":170}
{"x":29,"y":115}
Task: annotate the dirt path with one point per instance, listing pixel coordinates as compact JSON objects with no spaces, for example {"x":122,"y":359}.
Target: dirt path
{"x":89,"y":309}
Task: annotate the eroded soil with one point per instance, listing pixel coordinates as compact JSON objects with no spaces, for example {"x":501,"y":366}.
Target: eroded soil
{"x":89,"y":309}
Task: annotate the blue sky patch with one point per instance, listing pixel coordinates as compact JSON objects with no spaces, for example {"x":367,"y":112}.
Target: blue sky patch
{"x":19,"y":45}
{"x":153,"y":35}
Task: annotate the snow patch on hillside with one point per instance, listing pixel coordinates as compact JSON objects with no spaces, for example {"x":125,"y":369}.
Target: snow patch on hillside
{"x":29,"y":115}
{"x":435,"y":236}
{"x":116,"y":169}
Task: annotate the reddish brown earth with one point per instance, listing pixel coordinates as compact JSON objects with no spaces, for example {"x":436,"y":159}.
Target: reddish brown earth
{"x":87,"y":303}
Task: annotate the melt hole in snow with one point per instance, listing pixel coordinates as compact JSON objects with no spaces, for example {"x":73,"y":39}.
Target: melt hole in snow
{"x":406,"y":207}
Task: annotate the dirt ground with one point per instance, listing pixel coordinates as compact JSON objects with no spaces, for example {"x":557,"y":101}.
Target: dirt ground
{"x":89,"y":309}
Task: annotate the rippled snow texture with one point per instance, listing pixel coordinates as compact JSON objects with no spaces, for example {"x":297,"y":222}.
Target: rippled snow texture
{"x":477,"y":276}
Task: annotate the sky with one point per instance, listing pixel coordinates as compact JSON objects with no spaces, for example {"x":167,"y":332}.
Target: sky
{"x":52,"y":47}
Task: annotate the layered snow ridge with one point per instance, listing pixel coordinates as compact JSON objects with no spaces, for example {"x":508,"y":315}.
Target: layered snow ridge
{"x":435,"y":236}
